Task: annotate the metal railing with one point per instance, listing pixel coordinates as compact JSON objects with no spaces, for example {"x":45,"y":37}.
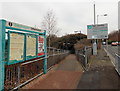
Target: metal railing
{"x":83,"y":56}
{"x":117,"y":63}
{"x":18,"y":75}
{"x":55,"y":55}
{"x":114,"y":56}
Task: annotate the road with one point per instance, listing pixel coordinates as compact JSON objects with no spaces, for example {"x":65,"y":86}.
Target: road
{"x":113,"y":51}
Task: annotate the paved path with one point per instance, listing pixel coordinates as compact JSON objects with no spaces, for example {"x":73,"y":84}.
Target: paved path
{"x":68,"y":74}
{"x":101,"y":74}
{"x":65,"y":75}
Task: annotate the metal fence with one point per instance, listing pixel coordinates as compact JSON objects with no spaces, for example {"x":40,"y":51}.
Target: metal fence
{"x":55,"y":55}
{"x":83,"y":56}
{"x":20,"y":74}
{"x":117,"y":63}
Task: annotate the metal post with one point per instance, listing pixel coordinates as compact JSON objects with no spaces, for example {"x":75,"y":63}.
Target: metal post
{"x":53,"y":51}
{"x":107,"y":44}
{"x":85,"y":57}
{"x":94,"y":48}
{"x":45,"y":51}
{"x":97,"y":19}
{"x":2,"y":52}
{"x":94,"y":14}
{"x":94,"y":44}
{"x":18,"y":67}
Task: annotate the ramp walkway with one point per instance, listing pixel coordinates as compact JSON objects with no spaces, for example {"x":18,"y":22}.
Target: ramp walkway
{"x":64,"y":75}
{"x":68,"y":74}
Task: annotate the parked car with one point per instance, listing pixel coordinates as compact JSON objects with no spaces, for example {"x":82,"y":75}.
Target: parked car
{"x":117,"y":43}
{"x":114,"y":43}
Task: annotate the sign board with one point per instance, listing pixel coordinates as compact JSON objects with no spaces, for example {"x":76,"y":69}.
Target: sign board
{"x":21,"y":42}
{"x":20,"y":26}
{"x":24,"y":42}
{"x":30,"y":46}
{"x":16,"y":46}
{"x":99,"y":31}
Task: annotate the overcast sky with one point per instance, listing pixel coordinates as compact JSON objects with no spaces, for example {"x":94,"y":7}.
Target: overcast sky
{"x":71,"y":14}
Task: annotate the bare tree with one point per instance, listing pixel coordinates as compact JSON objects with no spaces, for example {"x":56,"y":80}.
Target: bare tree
{"x":49,"y":24}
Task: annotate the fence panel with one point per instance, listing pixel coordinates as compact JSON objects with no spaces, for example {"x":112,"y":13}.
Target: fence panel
{"x":117,"y":63}
{"x":18,"y":75}
{"x":83,"y":56}
{"x":55,"y":56}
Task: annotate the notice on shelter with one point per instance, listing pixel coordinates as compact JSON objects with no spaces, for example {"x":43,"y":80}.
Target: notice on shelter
{"x":31,"y":45}
{"x":40,"y":45}
{"x":16,"y":46}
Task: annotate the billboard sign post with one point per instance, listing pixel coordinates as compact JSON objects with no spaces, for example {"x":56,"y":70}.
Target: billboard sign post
{"x":98,"y":31}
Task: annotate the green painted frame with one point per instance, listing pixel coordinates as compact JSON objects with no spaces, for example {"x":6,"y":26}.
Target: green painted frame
{"x":2,"y":53}
{"x":3,"y":28}
{"x":9,"y":62}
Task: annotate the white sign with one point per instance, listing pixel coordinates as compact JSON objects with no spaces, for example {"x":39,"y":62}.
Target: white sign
{"x":99,"y":31}
{"x":16,"y":46}
{"x":20,"y":26}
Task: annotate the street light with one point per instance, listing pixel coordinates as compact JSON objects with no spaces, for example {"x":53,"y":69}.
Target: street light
{"x":100,"y":15}
{"x":97,"y":20}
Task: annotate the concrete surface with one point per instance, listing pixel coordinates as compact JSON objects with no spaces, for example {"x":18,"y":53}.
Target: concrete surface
{"x":101,"y":74}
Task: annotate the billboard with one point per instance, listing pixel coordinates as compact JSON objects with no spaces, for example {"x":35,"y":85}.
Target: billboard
{"x":16,"y":46}
{"x":23,"y":42}
{"x":98,"y":31}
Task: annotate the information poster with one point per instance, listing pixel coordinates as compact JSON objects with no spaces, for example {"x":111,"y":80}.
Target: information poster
{"x":31,"y":46}
{"x":40,"y":45}
{"x":16,"y":46}
{"x":99,"y":31}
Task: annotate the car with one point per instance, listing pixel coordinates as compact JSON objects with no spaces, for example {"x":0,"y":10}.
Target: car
{"x":117,"y":43}
{"x":114,"y":43}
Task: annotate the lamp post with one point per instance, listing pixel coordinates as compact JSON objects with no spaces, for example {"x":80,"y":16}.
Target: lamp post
{"x":97,"y":22}
{"x":94,"y":49}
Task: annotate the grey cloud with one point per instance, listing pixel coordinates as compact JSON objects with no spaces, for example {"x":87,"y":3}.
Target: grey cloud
{"x":71,"y":16}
